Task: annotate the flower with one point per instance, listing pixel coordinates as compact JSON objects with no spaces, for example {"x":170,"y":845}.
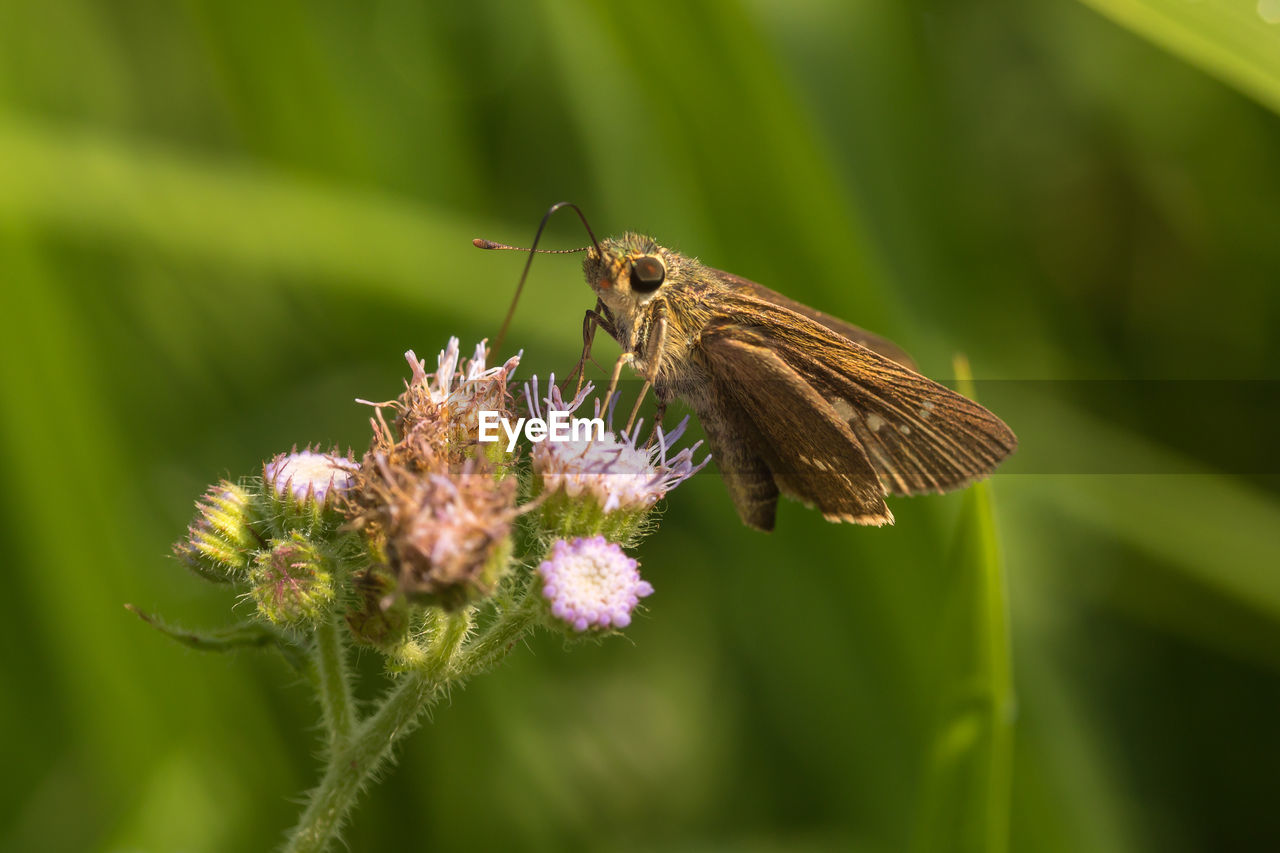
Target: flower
{"x":436,"y":428}
{"x":439,"y":418}
{"x":447,"y":536}
{"x":616,"y":471}
{"x":592,"y":583}
{"x":307,"y":476}
{"x":436,"y":509}
{"x":479,"y":387}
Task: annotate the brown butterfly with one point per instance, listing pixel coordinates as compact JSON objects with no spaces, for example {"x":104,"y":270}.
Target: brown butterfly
{"x":793,"y":401}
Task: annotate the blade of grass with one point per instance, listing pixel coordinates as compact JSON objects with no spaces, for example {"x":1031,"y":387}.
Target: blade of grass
{"x":969,"y":774}
{"x":1237,"y":41}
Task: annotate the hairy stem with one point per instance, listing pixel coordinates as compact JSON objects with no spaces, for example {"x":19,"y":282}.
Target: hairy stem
{"x":488,"y":650}
{"x":333,"y":681}
{"x":351,"y":765}
{"x":358,"y":758}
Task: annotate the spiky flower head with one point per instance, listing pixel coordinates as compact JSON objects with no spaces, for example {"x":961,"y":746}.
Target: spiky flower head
{"x":437,"y":420}
{"x":590,"y":583}
{"x":291,"y":582}
{"x":604,"y":484}
{"x":220,"y":542}
{"x":446,"y":536}
{"x":306,"y":485}
{"x":468,"y":390}
{"x":439,"y":512}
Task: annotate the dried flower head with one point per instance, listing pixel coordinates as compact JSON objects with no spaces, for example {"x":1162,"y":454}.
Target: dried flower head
{"x":592,"y":583}
{"x":291,"y":582}
{"x":447,"y":536}
{"x":437,"y":421}
{"x":469,"y":390}
{"x":617,"y":472}
{"x":220,"y":542}
{"x":439,"y":512}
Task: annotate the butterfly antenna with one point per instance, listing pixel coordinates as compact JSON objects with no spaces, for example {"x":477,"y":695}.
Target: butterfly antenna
{"x":532,"y":250}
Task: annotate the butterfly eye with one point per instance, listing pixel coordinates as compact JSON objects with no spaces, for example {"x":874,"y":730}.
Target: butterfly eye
{"x":647,"y":274}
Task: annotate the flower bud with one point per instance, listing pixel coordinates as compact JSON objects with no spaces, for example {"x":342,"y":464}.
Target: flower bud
{"x":304,"y":487}
{"x":291,"y":581}
{"x":220,"y":541}
{"x":380,"y":617}
{"x":591,"y":584}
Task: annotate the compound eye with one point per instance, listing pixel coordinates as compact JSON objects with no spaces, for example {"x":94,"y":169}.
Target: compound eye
{"x":647,"y":274}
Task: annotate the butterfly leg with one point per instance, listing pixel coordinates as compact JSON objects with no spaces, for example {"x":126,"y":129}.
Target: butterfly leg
{"x":653,"y":354}
{"x":625,"y":358}
{"x":597,"y":318}
{"x":635,"y":410}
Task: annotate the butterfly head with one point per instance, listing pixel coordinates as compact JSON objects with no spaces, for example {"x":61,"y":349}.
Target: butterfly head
{"x":627,"y":271}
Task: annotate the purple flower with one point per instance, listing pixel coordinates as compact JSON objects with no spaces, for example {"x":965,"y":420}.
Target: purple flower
{"x":618,"y":471}
{"x":592,"y":583}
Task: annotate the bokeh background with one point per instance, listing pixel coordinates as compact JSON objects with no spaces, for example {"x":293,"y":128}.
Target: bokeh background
{"x":221,"y":222}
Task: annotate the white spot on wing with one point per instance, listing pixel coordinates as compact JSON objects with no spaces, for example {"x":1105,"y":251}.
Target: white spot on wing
{"x":904,"y":429}
{"x":875,"y":422}
{"x":815,"y":462}
{"x":843,"y":409}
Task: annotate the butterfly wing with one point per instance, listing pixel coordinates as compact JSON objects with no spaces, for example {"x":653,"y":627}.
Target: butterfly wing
{"x":917,"y":435}
{"x":870,"y":340}
{"x":811,"y":453}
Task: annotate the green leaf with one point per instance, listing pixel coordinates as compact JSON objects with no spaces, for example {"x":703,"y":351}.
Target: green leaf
{"x":246,"y":635}
{"x":1237,"y":41}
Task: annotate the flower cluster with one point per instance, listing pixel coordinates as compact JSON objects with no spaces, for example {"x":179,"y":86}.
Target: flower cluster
{"x":437,"y":549}
{"x":439,"y":512}
{"x":234,"y":520}
{"x":427,"y":518}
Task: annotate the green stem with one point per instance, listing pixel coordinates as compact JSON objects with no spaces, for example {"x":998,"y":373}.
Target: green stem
{"x":353,"y":763}
{"x":333,"y":681}
{"x":488,"y":650}
{"x":450,"y":631}
{"x":995,"y":642}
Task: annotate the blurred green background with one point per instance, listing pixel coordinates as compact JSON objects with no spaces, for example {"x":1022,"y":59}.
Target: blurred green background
{"x":222,"y":222}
